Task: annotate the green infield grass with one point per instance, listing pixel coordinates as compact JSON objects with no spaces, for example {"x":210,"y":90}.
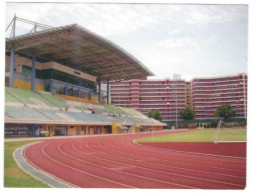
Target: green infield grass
{"x":13,"y":175}
{"x":205,"y":135}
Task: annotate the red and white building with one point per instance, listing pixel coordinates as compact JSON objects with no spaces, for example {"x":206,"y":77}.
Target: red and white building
{"x":209,"y":93}
{"x":167,"y":96}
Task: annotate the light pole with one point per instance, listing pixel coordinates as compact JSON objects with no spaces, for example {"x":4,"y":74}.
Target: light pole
{"x":176,"y":78}
{"x":176,"y":111}
{"x":176,"y":105}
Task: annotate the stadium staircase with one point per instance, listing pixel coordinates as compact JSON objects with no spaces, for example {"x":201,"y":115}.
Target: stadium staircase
{"x":132,"y":128}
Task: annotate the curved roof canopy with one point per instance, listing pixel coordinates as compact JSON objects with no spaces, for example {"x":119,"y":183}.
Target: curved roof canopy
{"x":80,"y":49}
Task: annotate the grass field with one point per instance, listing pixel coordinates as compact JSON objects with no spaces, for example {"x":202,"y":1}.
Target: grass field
{"x":13,"y":175}
{"x":205,"y":135}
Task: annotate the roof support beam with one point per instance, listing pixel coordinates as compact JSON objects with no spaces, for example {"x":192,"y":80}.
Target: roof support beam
{"x":99,"y":89}
{"x":11,"y":76}
{"x":33,"y":73}
{"x":108,"y":92}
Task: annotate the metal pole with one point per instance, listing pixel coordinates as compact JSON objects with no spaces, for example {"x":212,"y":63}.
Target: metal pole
{"x":11,"y":75}
{"x":66,"y":89}
{"x":14,"y":26}
{"x":79,"y":92}
{"x":244,"y":90}
{"x":108,"y":91}
{"x":176,"y":114}
{"x":33,"y":73}
{"x":99,"y":89}
{"x":50,"y":85}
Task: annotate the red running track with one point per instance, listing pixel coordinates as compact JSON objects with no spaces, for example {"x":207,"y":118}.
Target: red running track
{"x":114,"y":161}
{"x":235,"y":149}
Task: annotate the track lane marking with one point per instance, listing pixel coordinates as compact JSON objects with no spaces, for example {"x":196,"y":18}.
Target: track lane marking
{"x":133,"y":143}
{"x":84,"y":172}
{"x":105,"y":139}
{"x":183,"y":163}
{"x":200,"y":171}
{"x":163,"y":172}
{"x":147,"y":178}
{"x":131,"y":140}
{"x":187,"y":152}
{"x":46,"y":172}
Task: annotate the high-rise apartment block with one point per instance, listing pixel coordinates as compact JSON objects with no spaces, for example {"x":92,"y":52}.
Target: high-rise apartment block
{"x":169,"y":96}
{"x":166,"y":96}
{"x":209,"y":93}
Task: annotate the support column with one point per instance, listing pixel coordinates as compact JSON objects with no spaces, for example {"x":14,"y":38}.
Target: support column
{"x":99,"y":89}
{"x":50,"y":86}
{"x":33,"y":74}
{"x":66,"y":89}
{"x":79,"y":92}
{"x":11,"y":76}
{"x":108,"y":92}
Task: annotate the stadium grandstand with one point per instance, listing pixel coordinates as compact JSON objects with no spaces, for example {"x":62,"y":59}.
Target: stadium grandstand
{"x":53,"y":78}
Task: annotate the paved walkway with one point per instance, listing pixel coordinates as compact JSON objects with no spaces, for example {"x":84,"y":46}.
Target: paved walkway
{"x":36,"y":173}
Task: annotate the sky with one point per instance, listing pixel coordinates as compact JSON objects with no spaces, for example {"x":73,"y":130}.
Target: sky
{"x":193,"y":40}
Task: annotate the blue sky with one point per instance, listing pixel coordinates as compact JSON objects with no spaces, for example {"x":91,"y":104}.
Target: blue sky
{"x":191,"y":40}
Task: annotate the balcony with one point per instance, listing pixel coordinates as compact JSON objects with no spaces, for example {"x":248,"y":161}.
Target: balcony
{"x":218,"y":80}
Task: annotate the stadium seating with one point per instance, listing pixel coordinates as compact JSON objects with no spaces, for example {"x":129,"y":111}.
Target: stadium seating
{"x":23,"y":96}
{"x":10,"y":98}
{"x":51,"y":114}
{"x":121,"y":111}
{"x":25,"y":113}
{"x":32,"y":109}
{"x":54,"y":101}
{"x":27,"y":97}
{"x":82,"y":108}
{"x":73,"y":98}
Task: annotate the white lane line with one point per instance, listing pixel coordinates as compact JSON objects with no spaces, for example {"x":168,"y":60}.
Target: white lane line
{"x":186,"y":152}
{"x":147,"y":178}
{"x":47,"y":174}
{"x":225,"y":159}
{"x":120,"y":168}
{"x":131,"y":166}
{"x":84,"y":172}
{"x":198,"y":165}
{"x":199,"y":171}
{"x":179,"y":151}
{"x":192,"y":158}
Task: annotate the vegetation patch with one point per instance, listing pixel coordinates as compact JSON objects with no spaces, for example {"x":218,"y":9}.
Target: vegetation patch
{"x":207,"y":135}
{"x":13,"y":175}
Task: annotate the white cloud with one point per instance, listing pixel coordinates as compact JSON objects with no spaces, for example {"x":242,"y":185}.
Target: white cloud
{"x":116,"y":19}
{"x":187,"y":44}
{"x":201,"y":15}
{"x":183,"y":39}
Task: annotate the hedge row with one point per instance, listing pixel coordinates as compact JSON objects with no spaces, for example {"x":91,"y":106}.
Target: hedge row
{"x":208,"y":123}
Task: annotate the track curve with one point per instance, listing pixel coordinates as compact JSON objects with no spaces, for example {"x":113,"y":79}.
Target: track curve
{"x":114,"y":161}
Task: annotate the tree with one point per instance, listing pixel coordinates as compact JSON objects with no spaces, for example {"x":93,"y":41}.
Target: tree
{"x":155,"y":114}
{"x":187,"y":114}
{"x":224,"y":111}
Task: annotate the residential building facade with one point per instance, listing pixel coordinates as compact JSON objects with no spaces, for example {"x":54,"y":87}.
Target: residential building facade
{"x":169,"y":96}
{"x":209,"y":93}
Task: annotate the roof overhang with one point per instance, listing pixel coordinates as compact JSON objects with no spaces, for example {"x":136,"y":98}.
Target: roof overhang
{"x":80,"y":49}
